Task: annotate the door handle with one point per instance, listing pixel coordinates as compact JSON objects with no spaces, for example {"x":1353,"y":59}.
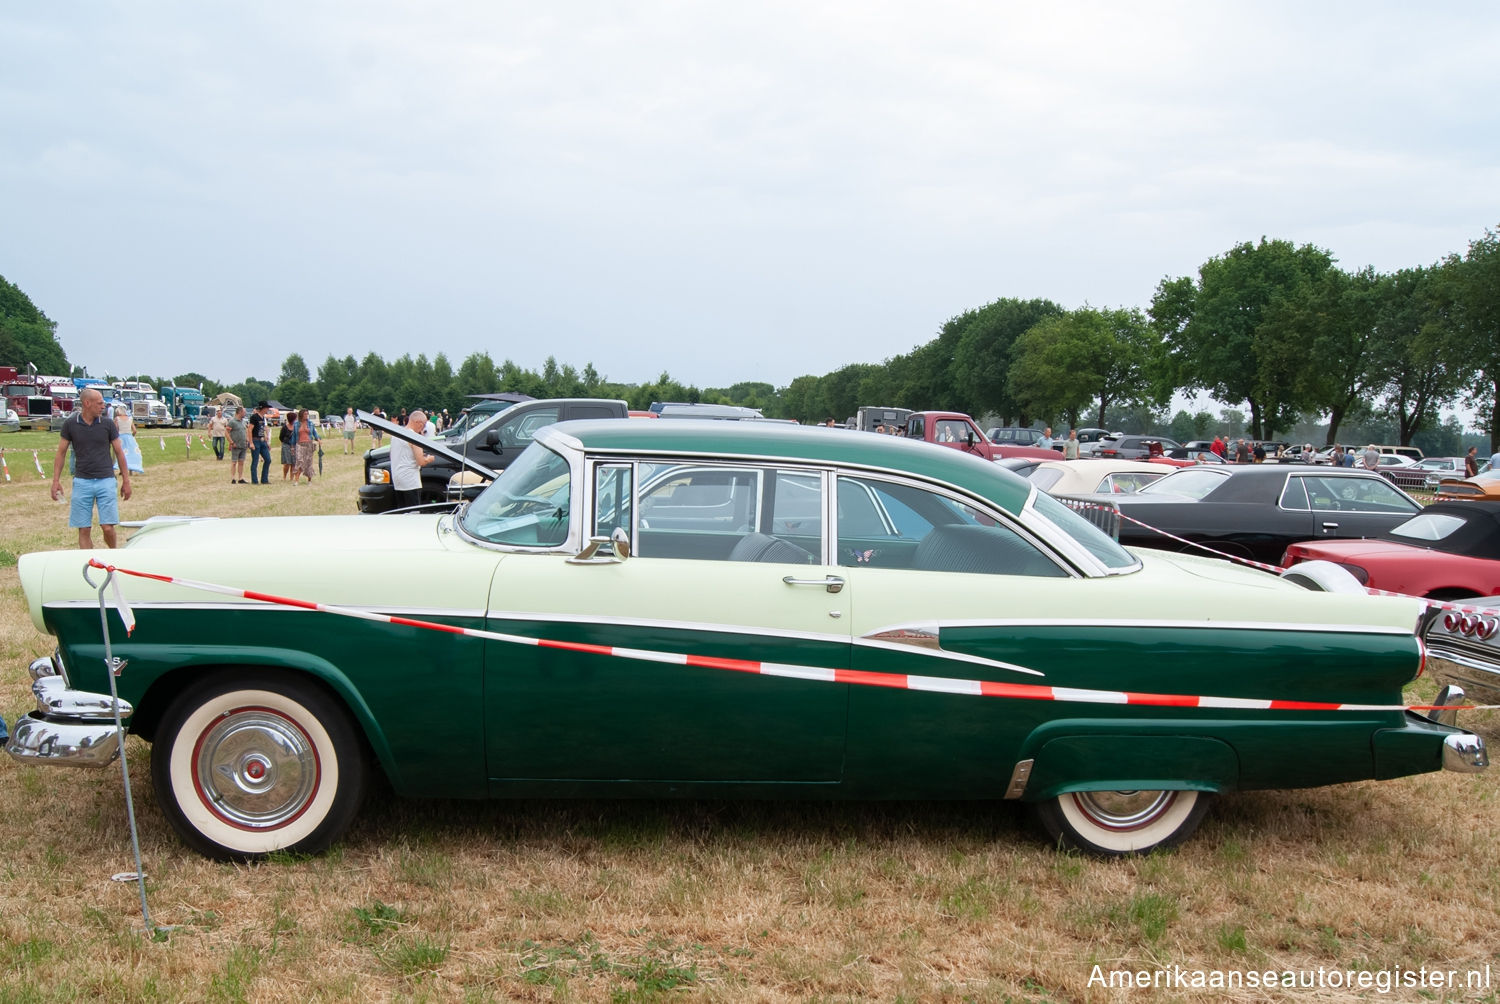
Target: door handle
{"x":831,"y":582}
{"x":1330,"y":526}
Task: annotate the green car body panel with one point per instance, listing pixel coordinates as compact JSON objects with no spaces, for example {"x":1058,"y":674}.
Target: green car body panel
{"x":453,"y":716}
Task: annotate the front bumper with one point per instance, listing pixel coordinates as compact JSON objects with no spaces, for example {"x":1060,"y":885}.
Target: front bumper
{"x":69,"y":728}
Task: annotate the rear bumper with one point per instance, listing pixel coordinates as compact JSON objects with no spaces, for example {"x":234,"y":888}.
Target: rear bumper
{"x":1478,"y":676}
{"x":69,"y":728}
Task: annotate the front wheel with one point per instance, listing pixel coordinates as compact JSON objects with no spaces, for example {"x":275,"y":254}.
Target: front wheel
{"x":1114,"y":823}
{"x":262,"y":762}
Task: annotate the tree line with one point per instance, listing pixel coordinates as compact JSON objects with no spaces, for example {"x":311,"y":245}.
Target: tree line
{"x":1291,"y":343}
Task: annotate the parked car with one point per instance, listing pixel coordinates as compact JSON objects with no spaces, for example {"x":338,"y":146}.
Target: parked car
{"x":1193,"y":456}
{"x":713,"y":609}
{"x":1484,"y":485}
{"x":1015,"y":436}
{"x":1086,"y":475}
{"x":1257,"y":510}
{"x":1463,"y":649}
{"x":1449,"y":550}
{"x":1136,"y":447}
{"x":492,"y":442}
{"x":1416,"y":475}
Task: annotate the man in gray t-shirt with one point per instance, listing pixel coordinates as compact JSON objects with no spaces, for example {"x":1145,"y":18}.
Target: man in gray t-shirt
{"x":96,"y":448}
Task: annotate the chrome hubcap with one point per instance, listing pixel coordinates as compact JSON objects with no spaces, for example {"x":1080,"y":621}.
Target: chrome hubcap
{"x":256,"y":769}
{"x":1124,"y":810}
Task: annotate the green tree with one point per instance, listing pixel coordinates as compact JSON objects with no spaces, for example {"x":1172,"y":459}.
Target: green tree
{"x":1476,"y":284}
{"x":1323,"y":340}
{"x":27,"y":335}
{"x":1085,"y":357}
{"x":974,"y":374}
{"x":1416,"y":358}
{"x":1214,"y":326}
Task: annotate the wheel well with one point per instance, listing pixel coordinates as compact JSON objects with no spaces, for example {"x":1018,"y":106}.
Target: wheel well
{"x":1451,"y":593}
{"x":159,"y":696}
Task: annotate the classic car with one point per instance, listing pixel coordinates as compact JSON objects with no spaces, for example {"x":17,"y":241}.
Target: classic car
{"x":1449,"y":550}
{"x":1463,"y":648}
{"x":1484,"y":485}
{"x":724,"y":610}
{"x":1089,"y":474}
{"x":1135,"y":447}
{"x":1257,"y":510}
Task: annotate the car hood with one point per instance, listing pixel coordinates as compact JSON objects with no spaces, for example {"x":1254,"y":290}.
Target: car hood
{"x":430,"y":445}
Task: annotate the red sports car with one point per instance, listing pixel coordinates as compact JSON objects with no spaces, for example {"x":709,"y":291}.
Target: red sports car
{"x":1447,"y":551}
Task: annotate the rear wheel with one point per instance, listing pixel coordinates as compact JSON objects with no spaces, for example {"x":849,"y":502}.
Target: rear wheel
{"x":1113,"y":823}
{"x":256,"y":763}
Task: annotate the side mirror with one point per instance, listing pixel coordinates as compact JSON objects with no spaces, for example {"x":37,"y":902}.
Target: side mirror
{"x":619,"y":540}
{"x":492,"y":438}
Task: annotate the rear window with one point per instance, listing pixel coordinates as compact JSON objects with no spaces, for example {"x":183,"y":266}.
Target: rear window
{"x":1429,"y":527}
{"x":1191,"y":482}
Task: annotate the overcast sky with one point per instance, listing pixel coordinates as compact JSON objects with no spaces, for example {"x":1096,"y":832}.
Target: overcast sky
{"x":721,"y":191}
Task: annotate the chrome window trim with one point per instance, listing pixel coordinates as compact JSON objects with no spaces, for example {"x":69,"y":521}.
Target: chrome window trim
{"x":1335,"y":474}
{"x":1087,"y":563}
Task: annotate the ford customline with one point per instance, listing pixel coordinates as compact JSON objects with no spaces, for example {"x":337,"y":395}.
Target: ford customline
{"x":708,"y":609}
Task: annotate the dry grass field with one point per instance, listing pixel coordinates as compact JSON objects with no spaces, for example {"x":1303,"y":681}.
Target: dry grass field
{"x":641,"y":901}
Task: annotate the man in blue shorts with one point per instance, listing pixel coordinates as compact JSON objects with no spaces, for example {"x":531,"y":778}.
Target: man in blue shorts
{"x":96,"y":447}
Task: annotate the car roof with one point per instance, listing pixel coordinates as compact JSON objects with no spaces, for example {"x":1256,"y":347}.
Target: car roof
{"x":1245,"y":482}
{"x":1478,"y":538}
{"x":812,"y":444}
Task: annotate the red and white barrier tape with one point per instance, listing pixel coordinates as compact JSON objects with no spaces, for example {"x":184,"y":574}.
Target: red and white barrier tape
{"x":899,"y":681}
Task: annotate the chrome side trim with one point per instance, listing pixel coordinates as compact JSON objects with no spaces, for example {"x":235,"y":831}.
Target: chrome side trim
{"x":63,"y":744}
{"x":1465,"y":754}
{"x":1071,"y":622}
{"x":1018,"y":779}
{"x":924,"y":637}
{"x":252,"y":606}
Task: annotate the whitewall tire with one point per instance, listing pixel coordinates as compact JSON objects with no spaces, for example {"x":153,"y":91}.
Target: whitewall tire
{"x":258,"y":762}
{"x":1112,"y":823}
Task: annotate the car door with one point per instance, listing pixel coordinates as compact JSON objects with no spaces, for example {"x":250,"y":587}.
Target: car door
{"x":940,"y":590}
{"x":1354,"y":506}
{"x":726,"y":564}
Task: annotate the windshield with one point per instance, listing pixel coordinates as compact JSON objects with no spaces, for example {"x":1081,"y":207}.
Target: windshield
{"x":527,"y":504}
{"x":1194,"y":483}
{"x":1094,"y":540}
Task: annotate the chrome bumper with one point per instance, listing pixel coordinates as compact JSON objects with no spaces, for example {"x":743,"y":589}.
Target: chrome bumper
{"x":69,"y":728}
{"x":1470,"y":670}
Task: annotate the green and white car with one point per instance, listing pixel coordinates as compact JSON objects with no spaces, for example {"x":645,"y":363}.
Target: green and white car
{"x":726,"y":610}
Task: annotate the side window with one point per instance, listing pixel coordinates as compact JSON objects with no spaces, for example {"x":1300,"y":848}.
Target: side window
{"x":1294,"y":495}
{"x":916,"y":427}
{"x":951,"y":431}
{"x":612,"y":488}
{"x":730,"y":514}
{"x":893,"y":525}
{"x":1370,"y":495}
{"x":520,"y":430}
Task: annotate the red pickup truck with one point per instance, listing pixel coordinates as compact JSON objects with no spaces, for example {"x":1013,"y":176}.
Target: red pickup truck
{"x":959,"y":431}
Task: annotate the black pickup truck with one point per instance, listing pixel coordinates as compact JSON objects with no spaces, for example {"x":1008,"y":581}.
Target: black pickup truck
{"x":492,"y":444}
